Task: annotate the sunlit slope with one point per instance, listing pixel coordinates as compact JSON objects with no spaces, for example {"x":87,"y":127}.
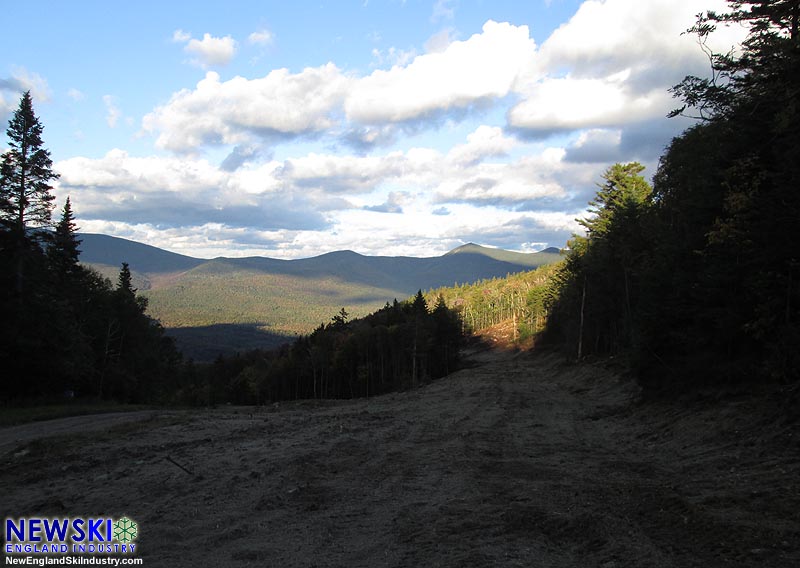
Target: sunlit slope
{"x":290,"y":296}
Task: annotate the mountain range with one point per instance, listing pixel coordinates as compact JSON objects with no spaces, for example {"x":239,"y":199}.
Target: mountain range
{"x":221,"y":305}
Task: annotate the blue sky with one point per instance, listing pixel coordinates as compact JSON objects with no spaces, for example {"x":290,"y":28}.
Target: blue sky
{"x":290,"y":129}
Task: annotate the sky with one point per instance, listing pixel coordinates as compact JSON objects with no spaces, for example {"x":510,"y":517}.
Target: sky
{"x":386,"y":127}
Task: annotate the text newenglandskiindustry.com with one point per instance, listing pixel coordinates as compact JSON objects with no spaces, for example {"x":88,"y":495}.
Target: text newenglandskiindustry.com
{"x":72,"y":561}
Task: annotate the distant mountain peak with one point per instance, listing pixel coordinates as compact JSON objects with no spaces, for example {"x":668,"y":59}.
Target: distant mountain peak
{"x":552,"y":250}
{"x":473,"y":248}
{"x":468,"y":248}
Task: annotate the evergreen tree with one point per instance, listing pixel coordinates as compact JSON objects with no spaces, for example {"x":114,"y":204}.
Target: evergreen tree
{"x":25,"y":198}
{"x":26,"y":172}
{"x":63,"y":252}
{"x":597,"y":306}
{"x":125,"y":282}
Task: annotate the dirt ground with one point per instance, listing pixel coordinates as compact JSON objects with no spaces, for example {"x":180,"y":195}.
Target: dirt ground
{"x":518,"y":460}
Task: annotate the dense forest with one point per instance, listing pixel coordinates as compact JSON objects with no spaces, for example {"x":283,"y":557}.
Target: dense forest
{"x":66,"y":330}
{"x":695,"y":278}
{"x":400,"y":346}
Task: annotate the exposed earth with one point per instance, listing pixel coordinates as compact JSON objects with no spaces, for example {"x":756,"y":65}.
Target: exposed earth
{"x":518,"y":460}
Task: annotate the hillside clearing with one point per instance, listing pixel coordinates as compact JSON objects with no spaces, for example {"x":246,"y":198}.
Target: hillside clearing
{"x":520,"y":460}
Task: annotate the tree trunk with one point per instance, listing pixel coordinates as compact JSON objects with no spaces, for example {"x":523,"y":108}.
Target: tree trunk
{"x":580,"y":327}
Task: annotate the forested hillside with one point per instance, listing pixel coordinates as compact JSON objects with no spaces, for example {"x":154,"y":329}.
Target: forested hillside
{"x":400,"y":346}
{"x":225,"y":305}
{"x":523,"y":298}
{"x":66,"y":330}
{"x":695,"y":279}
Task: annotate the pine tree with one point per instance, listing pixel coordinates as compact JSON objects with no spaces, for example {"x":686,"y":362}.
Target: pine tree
{"x":26,"y":173}
{"x":63,"y":252}
{"x":125,"y":282}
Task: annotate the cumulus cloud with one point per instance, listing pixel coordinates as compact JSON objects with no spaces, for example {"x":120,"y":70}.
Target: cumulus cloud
{"x":210,"y":51}
{"x":392,"y":56}
{"x":342,"y":174}
{"x":171,"y":192}
{"x":433,"y":195}
{"x":467,"y":73}
{"x":527,"y":179}
{"x":599,"y":83}
{"x":486,"y":141}
{"x":568,"y":104}
{"x":180,"y":36}
{"x":620,"y":58}
{"x":281,"y":104}
{"x":453,"y":78}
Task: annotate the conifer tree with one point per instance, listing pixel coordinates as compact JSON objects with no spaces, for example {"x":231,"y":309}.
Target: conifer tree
{"x":63,"y":252}
{"x":125,"y":281}
{"x":26,"y":172}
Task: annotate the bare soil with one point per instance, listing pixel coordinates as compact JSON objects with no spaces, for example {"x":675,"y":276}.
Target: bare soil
{"x":519,"y":460}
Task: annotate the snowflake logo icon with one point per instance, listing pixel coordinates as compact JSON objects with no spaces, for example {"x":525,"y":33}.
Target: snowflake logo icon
{"x":125,"y":530}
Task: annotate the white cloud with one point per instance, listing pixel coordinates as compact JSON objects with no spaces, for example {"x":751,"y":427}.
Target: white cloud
{"x":325,"y":200}
{"x":234,"y":111}
{"x":173,"y":192}
{"x":342,"y":174}
{"x":208,"y":52}
{"x":261,"y":37}
{"x":480,"y":69}
{"x":611,"y":65}
{"x":180,"y":36}
{"x":485,"y":141}
{"x":524,"y":180}
{"x":599,"y":82}
{"x":393,"y":56}
{"x":568,"y":103}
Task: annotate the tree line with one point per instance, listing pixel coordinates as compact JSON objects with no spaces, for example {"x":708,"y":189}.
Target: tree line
{"x":66,"y":330}
{"x":400,"y":346}
{"x":695,"y":278}
{"x":524,"y":298}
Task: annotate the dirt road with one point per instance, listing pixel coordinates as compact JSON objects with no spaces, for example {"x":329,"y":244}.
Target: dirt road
{"x":520,"y":460}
